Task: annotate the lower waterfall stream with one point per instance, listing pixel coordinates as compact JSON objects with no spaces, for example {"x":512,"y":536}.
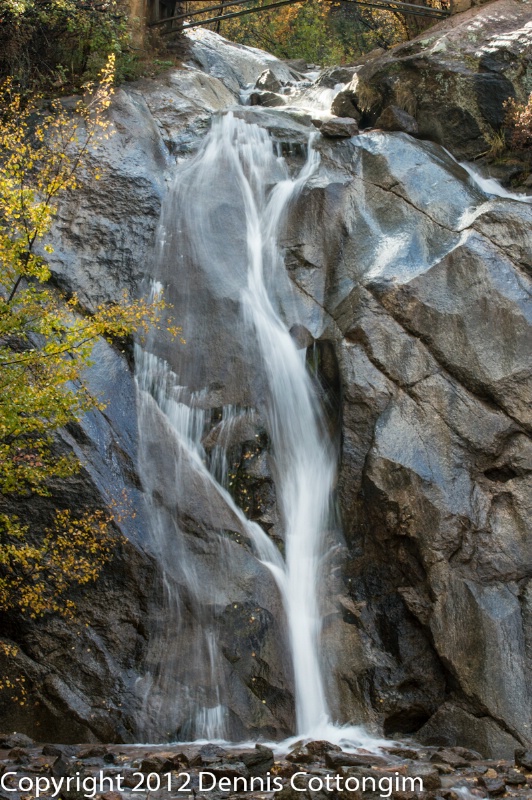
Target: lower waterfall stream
{"x":237,"y":174}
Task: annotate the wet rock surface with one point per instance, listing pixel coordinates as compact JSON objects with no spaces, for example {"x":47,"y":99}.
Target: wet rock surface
{"x":236,"y":66}
{"x":213,"y":771}
{"x":430,"y":580}
{"x":338,"y":128}
{"x":394,"y":118}
{"x":268,"y":99}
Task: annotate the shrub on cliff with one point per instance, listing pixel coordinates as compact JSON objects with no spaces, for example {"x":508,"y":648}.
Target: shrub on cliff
{"x":519,"y":122}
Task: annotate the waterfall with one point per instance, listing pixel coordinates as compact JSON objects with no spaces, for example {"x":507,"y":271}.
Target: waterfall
{"x":304,"y":459}
{"x":219,"y":239}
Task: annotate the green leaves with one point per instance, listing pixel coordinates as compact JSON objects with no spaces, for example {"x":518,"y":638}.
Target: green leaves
{"x":59,"y":44}
{"x":320,"y":32}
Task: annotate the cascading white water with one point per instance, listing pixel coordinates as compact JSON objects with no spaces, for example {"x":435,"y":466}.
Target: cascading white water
{"x":304,"y":460}
{"x":238,"y":174}
{"x":491,"y":186}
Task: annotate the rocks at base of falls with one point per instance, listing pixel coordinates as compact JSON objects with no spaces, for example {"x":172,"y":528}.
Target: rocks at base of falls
{"x":211,"y":771}
{"x":453,"y":78}
{"x":9,"y":741}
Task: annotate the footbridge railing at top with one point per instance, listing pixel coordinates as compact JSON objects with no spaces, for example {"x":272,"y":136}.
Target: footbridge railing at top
{"x":191,"y":19}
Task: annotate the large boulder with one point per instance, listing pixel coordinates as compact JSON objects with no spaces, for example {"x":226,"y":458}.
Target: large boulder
{"x":235,"y":65}
{"x":338,"y":127}
{"x":394,"y":118}
{"x":454,"y":78}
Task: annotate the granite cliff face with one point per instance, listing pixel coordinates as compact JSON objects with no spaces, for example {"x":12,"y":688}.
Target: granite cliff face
{"x":412,"y":295}
{"x":428,"y":315}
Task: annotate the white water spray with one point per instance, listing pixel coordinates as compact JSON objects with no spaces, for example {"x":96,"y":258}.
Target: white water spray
{"x":220,"y":238}
{"x":304,"y":461}
{"x":492,"y":186}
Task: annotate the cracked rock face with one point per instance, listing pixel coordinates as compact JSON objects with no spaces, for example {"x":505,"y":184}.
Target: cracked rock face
{"x":430,"y":315}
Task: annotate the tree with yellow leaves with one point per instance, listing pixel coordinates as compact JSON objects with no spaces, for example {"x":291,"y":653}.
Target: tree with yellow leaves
{"x":45,"y":343}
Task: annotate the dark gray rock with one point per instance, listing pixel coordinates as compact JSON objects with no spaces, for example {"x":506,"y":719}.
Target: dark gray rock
{"x":92,"y":752}
{"x":452,"y":724}
{"x":396,"y":119}
{"x":332,"y":76}
{"x":297,"y":64}
{"x":514,"y":778}
{"x":455,"y":77}
{"x":56,"y":750}
{"x":320,"y":748}
{"x":19,"y":755}
{"x":336,"y":760}
{"x":494,"y":786}
{"x":268,"y":82}
{"x":301,"y":336}
{"x":10,"y":740}
{"x":268,"y":99}
{"x":61,"y":767}
{"x":523,"y":758}
{"x":338,"y":128}
{"x":345,"y":102}
{"x":428,"y":774}
{"x":447,"y":756}
{"x":259,"y":761}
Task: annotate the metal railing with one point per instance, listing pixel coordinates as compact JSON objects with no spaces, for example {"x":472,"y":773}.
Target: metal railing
{"x":386,"y":5}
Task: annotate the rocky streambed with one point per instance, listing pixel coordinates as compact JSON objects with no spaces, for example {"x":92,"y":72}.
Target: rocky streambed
{"x":313,"y":770}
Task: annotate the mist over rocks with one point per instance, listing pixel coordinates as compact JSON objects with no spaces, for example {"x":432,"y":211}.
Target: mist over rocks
{"x":414,"y":302}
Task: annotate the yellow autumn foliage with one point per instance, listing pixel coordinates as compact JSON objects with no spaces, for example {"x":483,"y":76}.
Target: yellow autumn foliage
{"x":45,"y":343}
